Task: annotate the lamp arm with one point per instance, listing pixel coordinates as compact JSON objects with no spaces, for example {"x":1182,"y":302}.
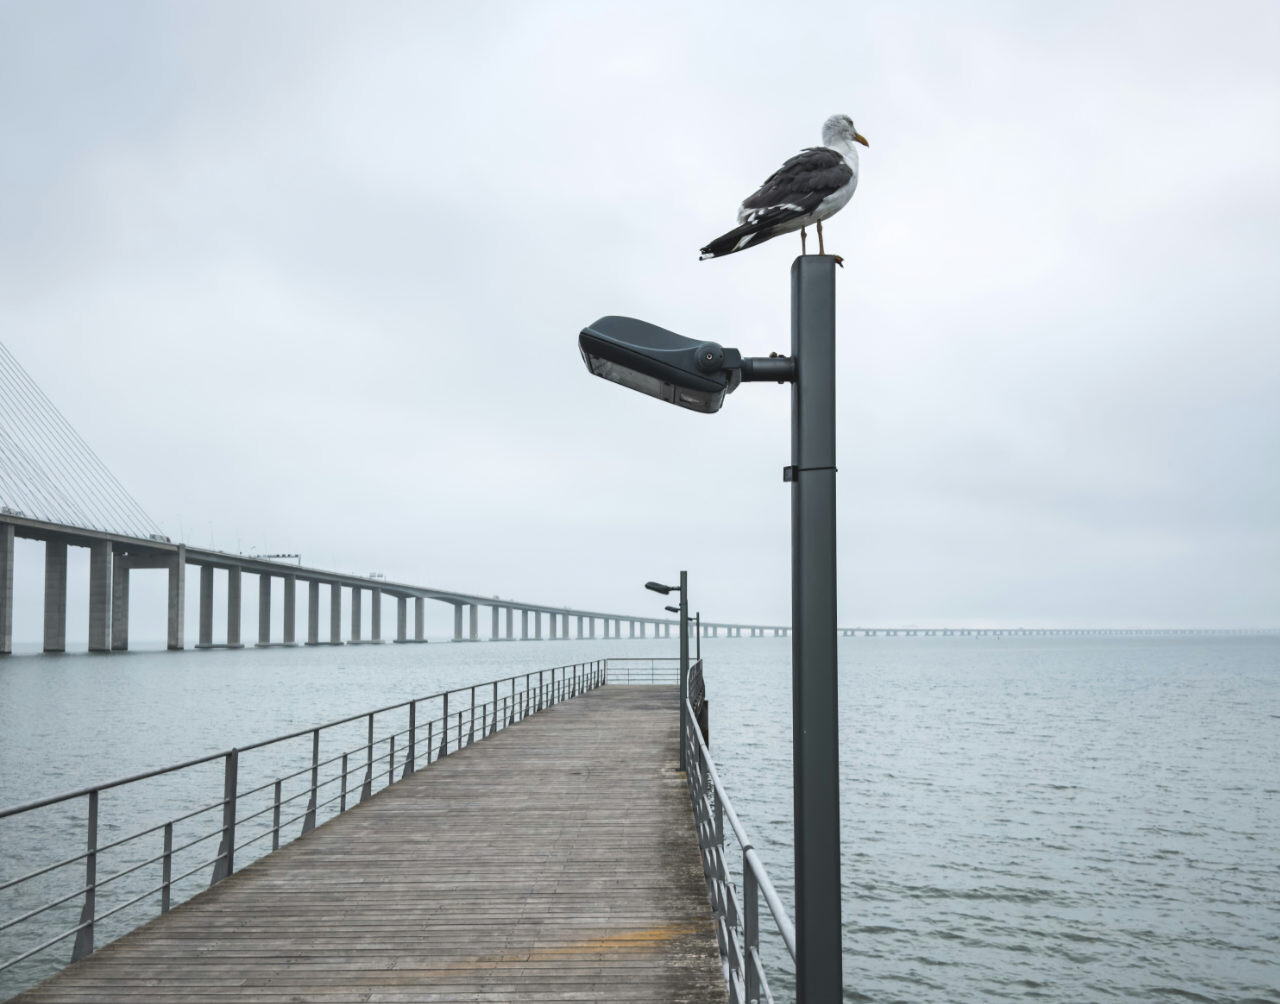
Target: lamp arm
{"x":760,"y":368}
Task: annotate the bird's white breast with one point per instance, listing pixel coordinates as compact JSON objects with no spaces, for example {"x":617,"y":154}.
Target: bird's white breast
{"x":838,"y":199}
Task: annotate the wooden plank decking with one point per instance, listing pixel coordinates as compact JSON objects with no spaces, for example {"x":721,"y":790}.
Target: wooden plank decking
{"x":555,"y":860}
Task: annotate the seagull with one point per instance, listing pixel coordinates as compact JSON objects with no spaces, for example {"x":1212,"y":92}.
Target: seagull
{"x":810,"y":187}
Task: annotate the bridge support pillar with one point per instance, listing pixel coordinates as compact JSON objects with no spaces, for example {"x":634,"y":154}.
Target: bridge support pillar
{"x":6,"y":588}
{"x":233,"y":607}
{"x":335,"y":613}
{"x":264,"y":609}
{"x":355,"y":614}
{"x":402,"y":619}
{"x":591,"y":627}
{"x":419,"y":619}
{"x":313,"y":612}
{"x":119,"y":606}
{"x":554,"y":625}
{"x":55,"y":596}
{"x":579,"y":627}
{"x":375,"y":616}
{"x":205,"y":639}
{"x":493,"y":628}
{"x":178,"y":599}
{"x":290,"y":609}
{"x":457,"y":622}
{"x":511,"y":616}
{"x":537,"y":626}
{"x":524,"y":625}
{"x":475,"y":621}
{"x":100,"y":596}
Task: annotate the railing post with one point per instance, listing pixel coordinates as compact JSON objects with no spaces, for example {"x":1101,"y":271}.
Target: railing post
{"x":541,"y":694}
{"x":495,"y":708}
{"x":366,"y":789}
{"x":166,"y":868}
{"x":391,"y":761}
{"x":84,"y":936}
{"x":750,"y":928}
{"x":410,"y":763}
{"x":471,"y":736}
{"x":430,"y":727}
{"x":226,"y":863}
{"x":275,"y":819}
{"x":444,"y":728}
{"x":460,"y":730}
{"x":309,"y":822}
{"x":342,"y":798}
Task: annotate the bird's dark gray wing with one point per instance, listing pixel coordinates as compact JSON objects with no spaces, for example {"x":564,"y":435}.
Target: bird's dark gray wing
{"x":798,"y":186}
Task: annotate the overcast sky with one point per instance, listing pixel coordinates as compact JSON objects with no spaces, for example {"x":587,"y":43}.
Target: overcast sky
{"x":309,"y":277}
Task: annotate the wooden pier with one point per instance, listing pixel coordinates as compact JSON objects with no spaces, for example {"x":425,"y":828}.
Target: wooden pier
{"x":555,"y":860}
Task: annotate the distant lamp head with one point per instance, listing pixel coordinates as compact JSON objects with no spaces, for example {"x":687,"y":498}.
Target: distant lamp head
{"x":672,"y":610}
{"x":658,"y":587}
{"x":692,"y":374}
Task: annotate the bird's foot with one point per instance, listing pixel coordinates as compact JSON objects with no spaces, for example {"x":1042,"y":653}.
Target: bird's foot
{"x":839,"y":261}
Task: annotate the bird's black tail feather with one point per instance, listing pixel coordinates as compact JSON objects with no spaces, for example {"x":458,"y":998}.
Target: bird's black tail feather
{"x":737,"y":239}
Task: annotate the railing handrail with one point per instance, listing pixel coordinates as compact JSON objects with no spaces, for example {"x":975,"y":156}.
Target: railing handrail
{"x":737,"y":914}
{"x":378,"y":757}
{"x":117,"y":782}
{"x":785,"y":926}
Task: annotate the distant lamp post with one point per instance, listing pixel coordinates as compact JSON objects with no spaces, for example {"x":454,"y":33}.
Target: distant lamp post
{"x":697,"y":375}
{"x":683,"y":611}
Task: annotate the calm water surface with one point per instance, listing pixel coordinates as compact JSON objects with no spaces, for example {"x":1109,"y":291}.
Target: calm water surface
{"x":1035,"y":819}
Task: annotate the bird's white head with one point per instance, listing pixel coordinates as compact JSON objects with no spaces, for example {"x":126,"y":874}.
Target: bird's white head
{"x":838,"y":131}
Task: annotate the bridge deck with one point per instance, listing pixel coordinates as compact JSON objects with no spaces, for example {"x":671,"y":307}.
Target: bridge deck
{"x":555,"y":860}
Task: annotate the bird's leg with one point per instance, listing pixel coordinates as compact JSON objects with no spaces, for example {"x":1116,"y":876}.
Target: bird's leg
{"x":802,"y":238}
{"x":822,"y":250}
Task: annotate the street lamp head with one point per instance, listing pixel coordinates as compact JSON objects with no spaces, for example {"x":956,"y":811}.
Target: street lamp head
{"x":660,"y":363}
{"x":658,"y":587}
{"x":673,"y":610}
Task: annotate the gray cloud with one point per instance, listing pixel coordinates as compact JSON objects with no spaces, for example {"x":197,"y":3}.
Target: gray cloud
{"x":309,"y":277}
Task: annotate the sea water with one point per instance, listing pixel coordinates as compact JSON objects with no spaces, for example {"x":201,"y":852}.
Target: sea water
{"x":1064,"y":819}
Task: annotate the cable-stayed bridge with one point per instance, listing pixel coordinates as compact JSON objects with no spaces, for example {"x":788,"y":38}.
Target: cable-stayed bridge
{"x":54,"y":488}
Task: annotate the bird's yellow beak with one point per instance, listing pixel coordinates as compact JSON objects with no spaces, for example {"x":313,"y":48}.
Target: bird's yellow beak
{"x":859,"y":138}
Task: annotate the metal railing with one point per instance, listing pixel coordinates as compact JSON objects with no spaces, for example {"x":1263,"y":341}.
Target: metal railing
{"x":632,"y":671}
{"x":737,"y":922}
{"x":421,"y":731}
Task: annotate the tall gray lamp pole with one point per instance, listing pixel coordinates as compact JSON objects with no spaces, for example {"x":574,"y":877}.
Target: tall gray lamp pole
{"x":697,"y":375}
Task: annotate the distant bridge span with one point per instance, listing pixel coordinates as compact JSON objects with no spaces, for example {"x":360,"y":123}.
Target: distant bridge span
{"x":112,"y":556}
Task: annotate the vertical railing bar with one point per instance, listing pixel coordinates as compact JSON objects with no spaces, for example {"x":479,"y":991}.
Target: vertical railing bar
{"x":411,"y":760}
{"x":275,"y":817}
{"x":444,"y":728}
{"x":166,"y":868}
{"x":84,"y":937}
{"x":391,"y":761}
{"x":366,"y":790}
{"x":471,"y":736}
{"x":309,"y":821}
{"x":342,"y":804}
{"x":750,"y":927}
{"x":225,"y":864}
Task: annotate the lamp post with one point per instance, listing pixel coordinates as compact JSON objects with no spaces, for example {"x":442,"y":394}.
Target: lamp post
{"x":683,"y":611}
{"x":697,"y":631}
{"x":697,"y":375}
